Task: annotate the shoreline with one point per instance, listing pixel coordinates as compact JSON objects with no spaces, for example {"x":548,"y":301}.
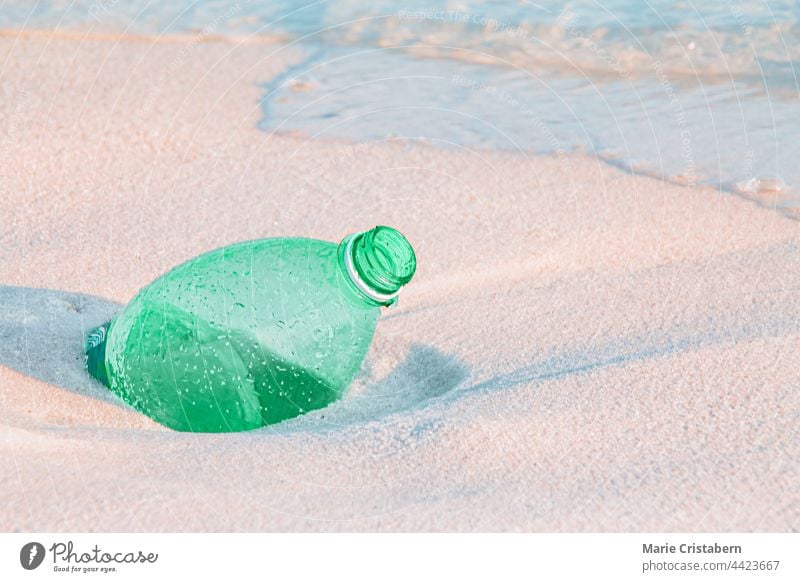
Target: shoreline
{"x":770,"y":195}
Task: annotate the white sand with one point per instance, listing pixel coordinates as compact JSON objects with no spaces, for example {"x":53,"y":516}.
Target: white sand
{"x":580,"y":350}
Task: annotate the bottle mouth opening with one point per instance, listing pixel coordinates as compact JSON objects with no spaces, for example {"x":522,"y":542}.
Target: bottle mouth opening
{"x":379,"y":262}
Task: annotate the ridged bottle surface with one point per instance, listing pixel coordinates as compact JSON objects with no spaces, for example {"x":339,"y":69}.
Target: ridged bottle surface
{"x":254,"y":333}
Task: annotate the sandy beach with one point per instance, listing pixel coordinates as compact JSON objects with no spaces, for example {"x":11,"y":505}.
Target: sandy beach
{"x":582,"y":349}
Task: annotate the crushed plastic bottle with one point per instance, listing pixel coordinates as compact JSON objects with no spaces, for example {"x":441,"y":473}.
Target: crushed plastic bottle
{"x":251,"y":334}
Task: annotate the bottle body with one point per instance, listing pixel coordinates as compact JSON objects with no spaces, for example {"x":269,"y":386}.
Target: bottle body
{"x":241,"y":337}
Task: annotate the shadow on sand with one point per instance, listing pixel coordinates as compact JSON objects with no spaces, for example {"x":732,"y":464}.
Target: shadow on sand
{"x":424,"y":373}
{"x":42,"y":334}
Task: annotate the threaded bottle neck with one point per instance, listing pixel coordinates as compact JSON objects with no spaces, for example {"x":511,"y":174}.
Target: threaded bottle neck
{"x":378,"y":262}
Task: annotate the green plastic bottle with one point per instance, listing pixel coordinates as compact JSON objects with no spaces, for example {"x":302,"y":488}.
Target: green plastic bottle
{"x":253,"y":333}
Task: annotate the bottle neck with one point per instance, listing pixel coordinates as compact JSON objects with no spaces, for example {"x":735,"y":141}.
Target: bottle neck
{"x":377,"y":263}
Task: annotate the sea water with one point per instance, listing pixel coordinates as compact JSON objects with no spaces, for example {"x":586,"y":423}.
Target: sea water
{"x":688,"y":91}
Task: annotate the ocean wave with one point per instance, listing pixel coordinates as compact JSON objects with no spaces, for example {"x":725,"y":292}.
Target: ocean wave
{"x":691,"y":92}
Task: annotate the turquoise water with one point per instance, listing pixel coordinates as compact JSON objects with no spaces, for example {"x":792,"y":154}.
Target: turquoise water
{"x":695,"y":92}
